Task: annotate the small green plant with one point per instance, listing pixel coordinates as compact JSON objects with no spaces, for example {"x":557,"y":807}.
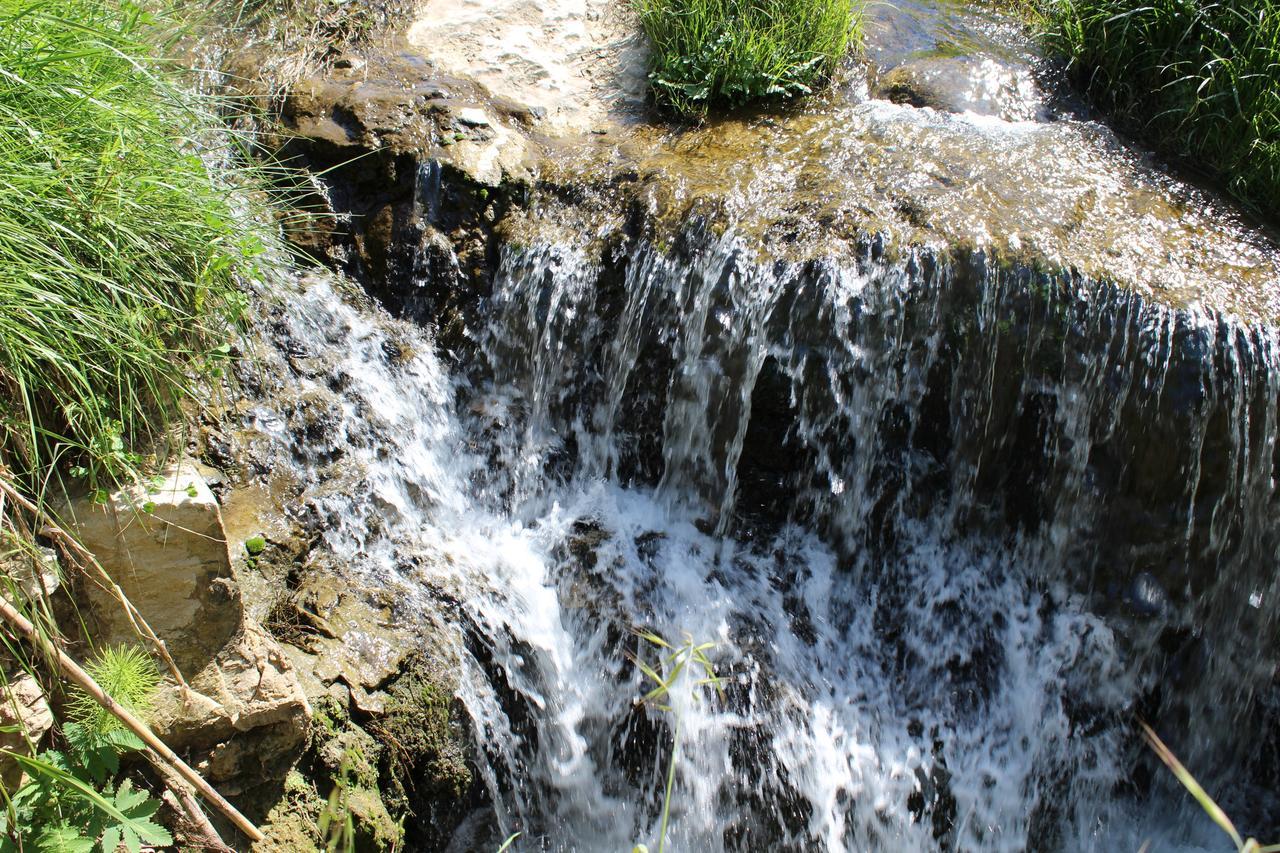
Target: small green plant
{"x":128,"y":675}
{"x":337,"y":824}
{"x":72,"y":799}
{"x":674,"y":663}
{"x":734,"y":51}
{"x":1211,"y":808}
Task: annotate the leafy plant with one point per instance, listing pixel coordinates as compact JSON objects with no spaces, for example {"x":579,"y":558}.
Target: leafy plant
{"x":128,"y":675}
{"x":672,"y":666}
{"x":62,"y":810}
{"x":71,"y":800}
{"x":735,"y":51}
{"x":337,"y":823}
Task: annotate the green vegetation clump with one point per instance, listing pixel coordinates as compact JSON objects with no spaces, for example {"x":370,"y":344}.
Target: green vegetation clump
{"x":1198,"y":80}
{"x":129,"y":676}
{"x":118,"y":249}
{"x":734,"y":51}
{"x":74,"y":798}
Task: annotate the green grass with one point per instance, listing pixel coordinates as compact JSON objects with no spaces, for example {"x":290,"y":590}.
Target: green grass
{"x":707,"y":52}
{"x":118,"y":248}
{"x":1198,"y":80}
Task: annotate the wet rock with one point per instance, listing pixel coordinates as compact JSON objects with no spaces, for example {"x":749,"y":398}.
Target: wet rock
{"x":473,"y":117}
{"x":1146,"y":596}
{"x":493,"y":161}
{"x":426,"y":768}
{"x":973,"y":83}
{"x":247,"y":719}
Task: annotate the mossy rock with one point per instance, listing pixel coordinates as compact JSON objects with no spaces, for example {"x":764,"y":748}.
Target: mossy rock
{"x":425,"y":769}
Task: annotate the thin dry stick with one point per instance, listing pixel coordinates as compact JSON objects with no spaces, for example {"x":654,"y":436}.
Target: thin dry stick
{"x":182,"y":800}
{"x":85,"y":681}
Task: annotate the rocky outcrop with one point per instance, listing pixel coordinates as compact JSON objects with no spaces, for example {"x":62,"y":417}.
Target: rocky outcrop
{"x":25,"y":718}
{"x":244,"y":717}
{"x":412,"y":169}
{"x":389,"y":732}
{"x":25,"y":715}
{"x":162,"y":544}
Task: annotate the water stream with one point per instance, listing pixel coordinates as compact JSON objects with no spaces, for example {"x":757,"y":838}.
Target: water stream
{"x":952,"y":526}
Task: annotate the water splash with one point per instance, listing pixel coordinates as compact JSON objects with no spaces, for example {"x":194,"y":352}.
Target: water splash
{"x":950,"y":525}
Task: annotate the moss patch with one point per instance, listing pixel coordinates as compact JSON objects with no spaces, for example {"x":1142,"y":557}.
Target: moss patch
{"x":425,"y":770}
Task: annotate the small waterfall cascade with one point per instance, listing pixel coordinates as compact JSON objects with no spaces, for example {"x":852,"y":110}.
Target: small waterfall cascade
{"x":952,"y":526}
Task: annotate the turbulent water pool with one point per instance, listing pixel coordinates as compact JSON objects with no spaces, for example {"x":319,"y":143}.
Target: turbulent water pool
{"x":953,"y":521}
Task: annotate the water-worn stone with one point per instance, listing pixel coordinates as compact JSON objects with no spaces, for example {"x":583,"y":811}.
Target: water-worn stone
{"x":976,"y":84}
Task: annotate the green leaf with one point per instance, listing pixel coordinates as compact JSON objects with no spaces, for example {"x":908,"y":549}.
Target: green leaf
{"x":130,"y":809}
{"x":62,"y":838}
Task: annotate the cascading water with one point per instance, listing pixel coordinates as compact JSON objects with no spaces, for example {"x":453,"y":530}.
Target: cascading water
{"x":951,"y":527}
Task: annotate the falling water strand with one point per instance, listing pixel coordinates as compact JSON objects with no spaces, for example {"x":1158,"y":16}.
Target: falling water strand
{"x":940,"y":518}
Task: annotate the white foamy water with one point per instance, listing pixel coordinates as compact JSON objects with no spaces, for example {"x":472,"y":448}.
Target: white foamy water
{"x":909,"y":663}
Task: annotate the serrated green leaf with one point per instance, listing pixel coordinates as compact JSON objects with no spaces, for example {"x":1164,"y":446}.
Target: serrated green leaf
{"x":130,"y":809}
{"x":62,"y":838}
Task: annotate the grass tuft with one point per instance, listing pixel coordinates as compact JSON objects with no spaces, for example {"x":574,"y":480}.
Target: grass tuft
{"x":730,"y":52}
{"x":1199,"y":80}
{"x":118,"y":250}
{"x":128,"y":675}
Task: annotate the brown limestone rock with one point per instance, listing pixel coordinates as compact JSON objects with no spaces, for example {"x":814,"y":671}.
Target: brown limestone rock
{"x":22,"y":705}
{"x":245,"y":716}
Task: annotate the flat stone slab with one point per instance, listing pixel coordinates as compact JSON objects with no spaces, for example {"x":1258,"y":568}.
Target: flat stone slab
{"x":575,"y":62}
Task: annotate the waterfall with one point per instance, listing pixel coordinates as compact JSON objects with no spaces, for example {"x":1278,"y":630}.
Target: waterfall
{"x":951,"y":524}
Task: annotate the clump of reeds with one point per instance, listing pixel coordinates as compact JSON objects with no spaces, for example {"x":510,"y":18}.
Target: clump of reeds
{"x":1197,"y":79}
